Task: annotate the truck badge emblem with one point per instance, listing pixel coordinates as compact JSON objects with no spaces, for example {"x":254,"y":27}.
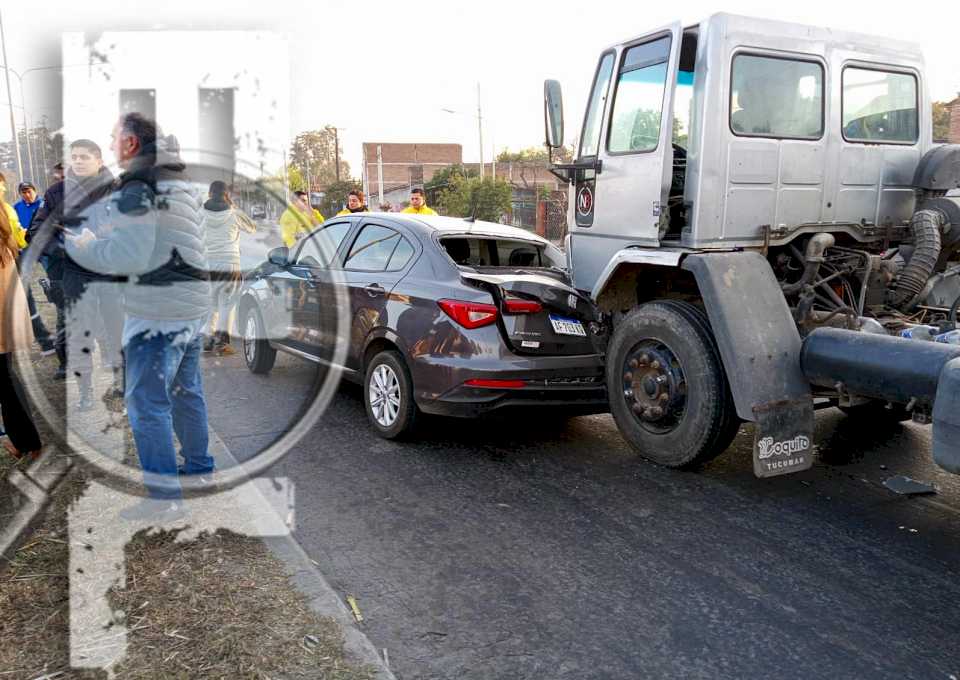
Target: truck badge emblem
{"x":585,"y":201}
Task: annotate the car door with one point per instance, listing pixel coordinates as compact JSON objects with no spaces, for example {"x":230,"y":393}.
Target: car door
{"x":310,"y":291}
{"x":379,"y":256}
{"x":627,"y":140}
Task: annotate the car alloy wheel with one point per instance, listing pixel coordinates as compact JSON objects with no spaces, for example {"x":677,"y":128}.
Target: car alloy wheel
{"x":384,"y":395}
{"x":250,"y":339}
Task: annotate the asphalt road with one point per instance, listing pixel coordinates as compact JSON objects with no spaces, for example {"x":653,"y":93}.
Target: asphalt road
{"x":538,"y":547}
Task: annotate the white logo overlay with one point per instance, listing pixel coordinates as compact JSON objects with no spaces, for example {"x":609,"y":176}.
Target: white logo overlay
{"x":768,"y":448}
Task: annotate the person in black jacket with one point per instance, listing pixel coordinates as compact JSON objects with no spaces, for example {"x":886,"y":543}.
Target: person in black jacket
{"x":88,"y":307}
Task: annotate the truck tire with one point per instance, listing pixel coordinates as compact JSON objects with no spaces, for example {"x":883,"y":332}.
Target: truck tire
{"x":668,"y":391}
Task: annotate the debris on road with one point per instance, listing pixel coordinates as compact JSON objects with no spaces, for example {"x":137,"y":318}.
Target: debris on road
{"x":909,"y":487}
{"x":352,"y":601}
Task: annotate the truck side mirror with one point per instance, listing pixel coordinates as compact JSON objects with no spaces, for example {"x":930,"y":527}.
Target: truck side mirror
{"x":553,"y":113}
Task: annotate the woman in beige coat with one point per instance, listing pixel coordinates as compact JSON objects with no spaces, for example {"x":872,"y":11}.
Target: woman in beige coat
{"x":15,"y":335}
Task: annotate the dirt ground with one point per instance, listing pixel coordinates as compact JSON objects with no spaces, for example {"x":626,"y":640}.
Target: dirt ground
{"x":219,"y":606}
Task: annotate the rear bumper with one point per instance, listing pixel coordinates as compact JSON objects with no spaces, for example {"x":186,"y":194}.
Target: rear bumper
{"x":574,"y":383}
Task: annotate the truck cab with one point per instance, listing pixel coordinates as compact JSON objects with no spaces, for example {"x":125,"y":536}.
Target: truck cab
{"x":717,"y":164}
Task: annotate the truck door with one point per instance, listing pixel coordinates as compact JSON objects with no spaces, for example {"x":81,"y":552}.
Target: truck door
{"x":627,"y":135}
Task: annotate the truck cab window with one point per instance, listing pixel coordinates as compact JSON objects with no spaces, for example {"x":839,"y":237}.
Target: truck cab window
{"x":775,"y":97}
{"x":638,"y":101}
{"x":879,"y":106}
{"x":590,"y":139}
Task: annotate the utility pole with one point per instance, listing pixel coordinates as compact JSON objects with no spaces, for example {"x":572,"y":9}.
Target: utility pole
{"x":493,"y":150}
{"x":480,"y":128}
{"x":26,"y":130}
{"x":13,"y":124}
{"x":42,"y":178}
{"x":336,"y":150}
{"x":379,"y":176}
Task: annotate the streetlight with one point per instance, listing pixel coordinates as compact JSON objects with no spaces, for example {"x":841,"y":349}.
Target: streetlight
{"x":479,"y":126}
{"x":23,"y":105}
{"x":13,"y":124}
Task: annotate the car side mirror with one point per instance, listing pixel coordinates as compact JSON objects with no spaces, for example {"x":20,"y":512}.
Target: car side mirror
{"x":553,"y":113}
{"x":279,"y":256}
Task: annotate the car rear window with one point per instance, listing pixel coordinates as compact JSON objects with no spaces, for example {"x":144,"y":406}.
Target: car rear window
{"x":471,"y":251}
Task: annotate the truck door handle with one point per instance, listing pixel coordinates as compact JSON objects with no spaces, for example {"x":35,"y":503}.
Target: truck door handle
{"x":375,"y":289}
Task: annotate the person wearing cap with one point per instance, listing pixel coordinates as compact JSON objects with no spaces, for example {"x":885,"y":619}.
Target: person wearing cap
{"x":355,"y":203}
{"x":418,"y":204}
{"x":28,"y":204}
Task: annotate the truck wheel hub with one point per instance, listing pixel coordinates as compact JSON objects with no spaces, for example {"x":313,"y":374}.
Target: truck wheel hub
{"x":654,"y":386}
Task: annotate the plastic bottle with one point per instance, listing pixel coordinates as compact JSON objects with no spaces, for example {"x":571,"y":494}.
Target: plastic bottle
{"x":920,"y":333}
{"x":950,"y":337}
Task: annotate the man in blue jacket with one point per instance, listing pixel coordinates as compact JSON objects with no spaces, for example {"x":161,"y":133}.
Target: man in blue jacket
{"x":28,"y":204}
{"x":26,"y":208}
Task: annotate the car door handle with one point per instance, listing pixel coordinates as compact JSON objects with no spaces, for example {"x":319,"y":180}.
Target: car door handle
{"x":374,"y":289}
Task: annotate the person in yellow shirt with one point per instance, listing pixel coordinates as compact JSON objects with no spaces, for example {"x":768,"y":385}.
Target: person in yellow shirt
{"x":299,"y":219}
{"x":355,"y":203}
{"x":418,"y":204}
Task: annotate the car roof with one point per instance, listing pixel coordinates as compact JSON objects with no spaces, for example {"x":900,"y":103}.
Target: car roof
{"x":442,"y":226}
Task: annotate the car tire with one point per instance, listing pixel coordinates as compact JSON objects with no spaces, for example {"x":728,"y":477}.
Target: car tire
{"x":388,"y":396}
{"x":668,"y":391}
{"x":257,"y":352}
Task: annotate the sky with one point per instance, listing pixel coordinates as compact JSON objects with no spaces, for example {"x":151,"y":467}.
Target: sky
{"x":384,"y":71}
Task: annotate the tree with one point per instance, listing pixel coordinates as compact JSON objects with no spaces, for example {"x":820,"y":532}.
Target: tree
{"x":536,"y":154}
{"x":295,"y":179}
{"x":442,"y":179}
{"x":941,"y":122}
{"x":316,"y":151}
{"x":486,"y":199}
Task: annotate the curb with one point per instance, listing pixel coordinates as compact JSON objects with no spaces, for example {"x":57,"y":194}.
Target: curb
{"x":36,"y":486}
{"x":307,"y":578}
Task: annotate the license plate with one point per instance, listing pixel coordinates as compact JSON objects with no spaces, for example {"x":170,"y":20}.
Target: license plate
{"x":564,"y":326}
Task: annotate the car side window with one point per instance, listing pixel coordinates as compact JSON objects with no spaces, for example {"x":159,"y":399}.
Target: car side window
{"x":321,"y":244}
{"x":373,"y":248}
{"x":400,"y":256}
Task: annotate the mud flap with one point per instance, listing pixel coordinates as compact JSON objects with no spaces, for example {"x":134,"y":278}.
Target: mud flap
{"x":782,"y":443}
{"x":760,"y":348}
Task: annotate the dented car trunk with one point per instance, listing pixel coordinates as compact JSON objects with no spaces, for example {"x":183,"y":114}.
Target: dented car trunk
{"x":540,"y":315}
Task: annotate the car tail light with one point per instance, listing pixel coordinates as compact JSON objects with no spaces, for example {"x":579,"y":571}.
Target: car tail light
{"x":498,"y":384}
{"x":519,"y":306}
{"x":469,"y":314}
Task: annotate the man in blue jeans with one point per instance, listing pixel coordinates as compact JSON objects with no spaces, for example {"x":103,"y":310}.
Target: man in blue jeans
{"x":153,"y":238}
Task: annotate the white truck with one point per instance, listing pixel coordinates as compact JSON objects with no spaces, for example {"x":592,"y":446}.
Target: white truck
{"x":760,"y":212}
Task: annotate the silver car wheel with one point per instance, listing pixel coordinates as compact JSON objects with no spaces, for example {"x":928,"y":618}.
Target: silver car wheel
{"x":384,"y":392}
{"x":250,"y":338}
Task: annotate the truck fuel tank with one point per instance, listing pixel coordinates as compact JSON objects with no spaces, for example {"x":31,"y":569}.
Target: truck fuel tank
{"x":892,"y":369}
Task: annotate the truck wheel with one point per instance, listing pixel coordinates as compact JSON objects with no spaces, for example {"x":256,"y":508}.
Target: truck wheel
{"x":257,"y":352}
{"x":668,"y":391}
